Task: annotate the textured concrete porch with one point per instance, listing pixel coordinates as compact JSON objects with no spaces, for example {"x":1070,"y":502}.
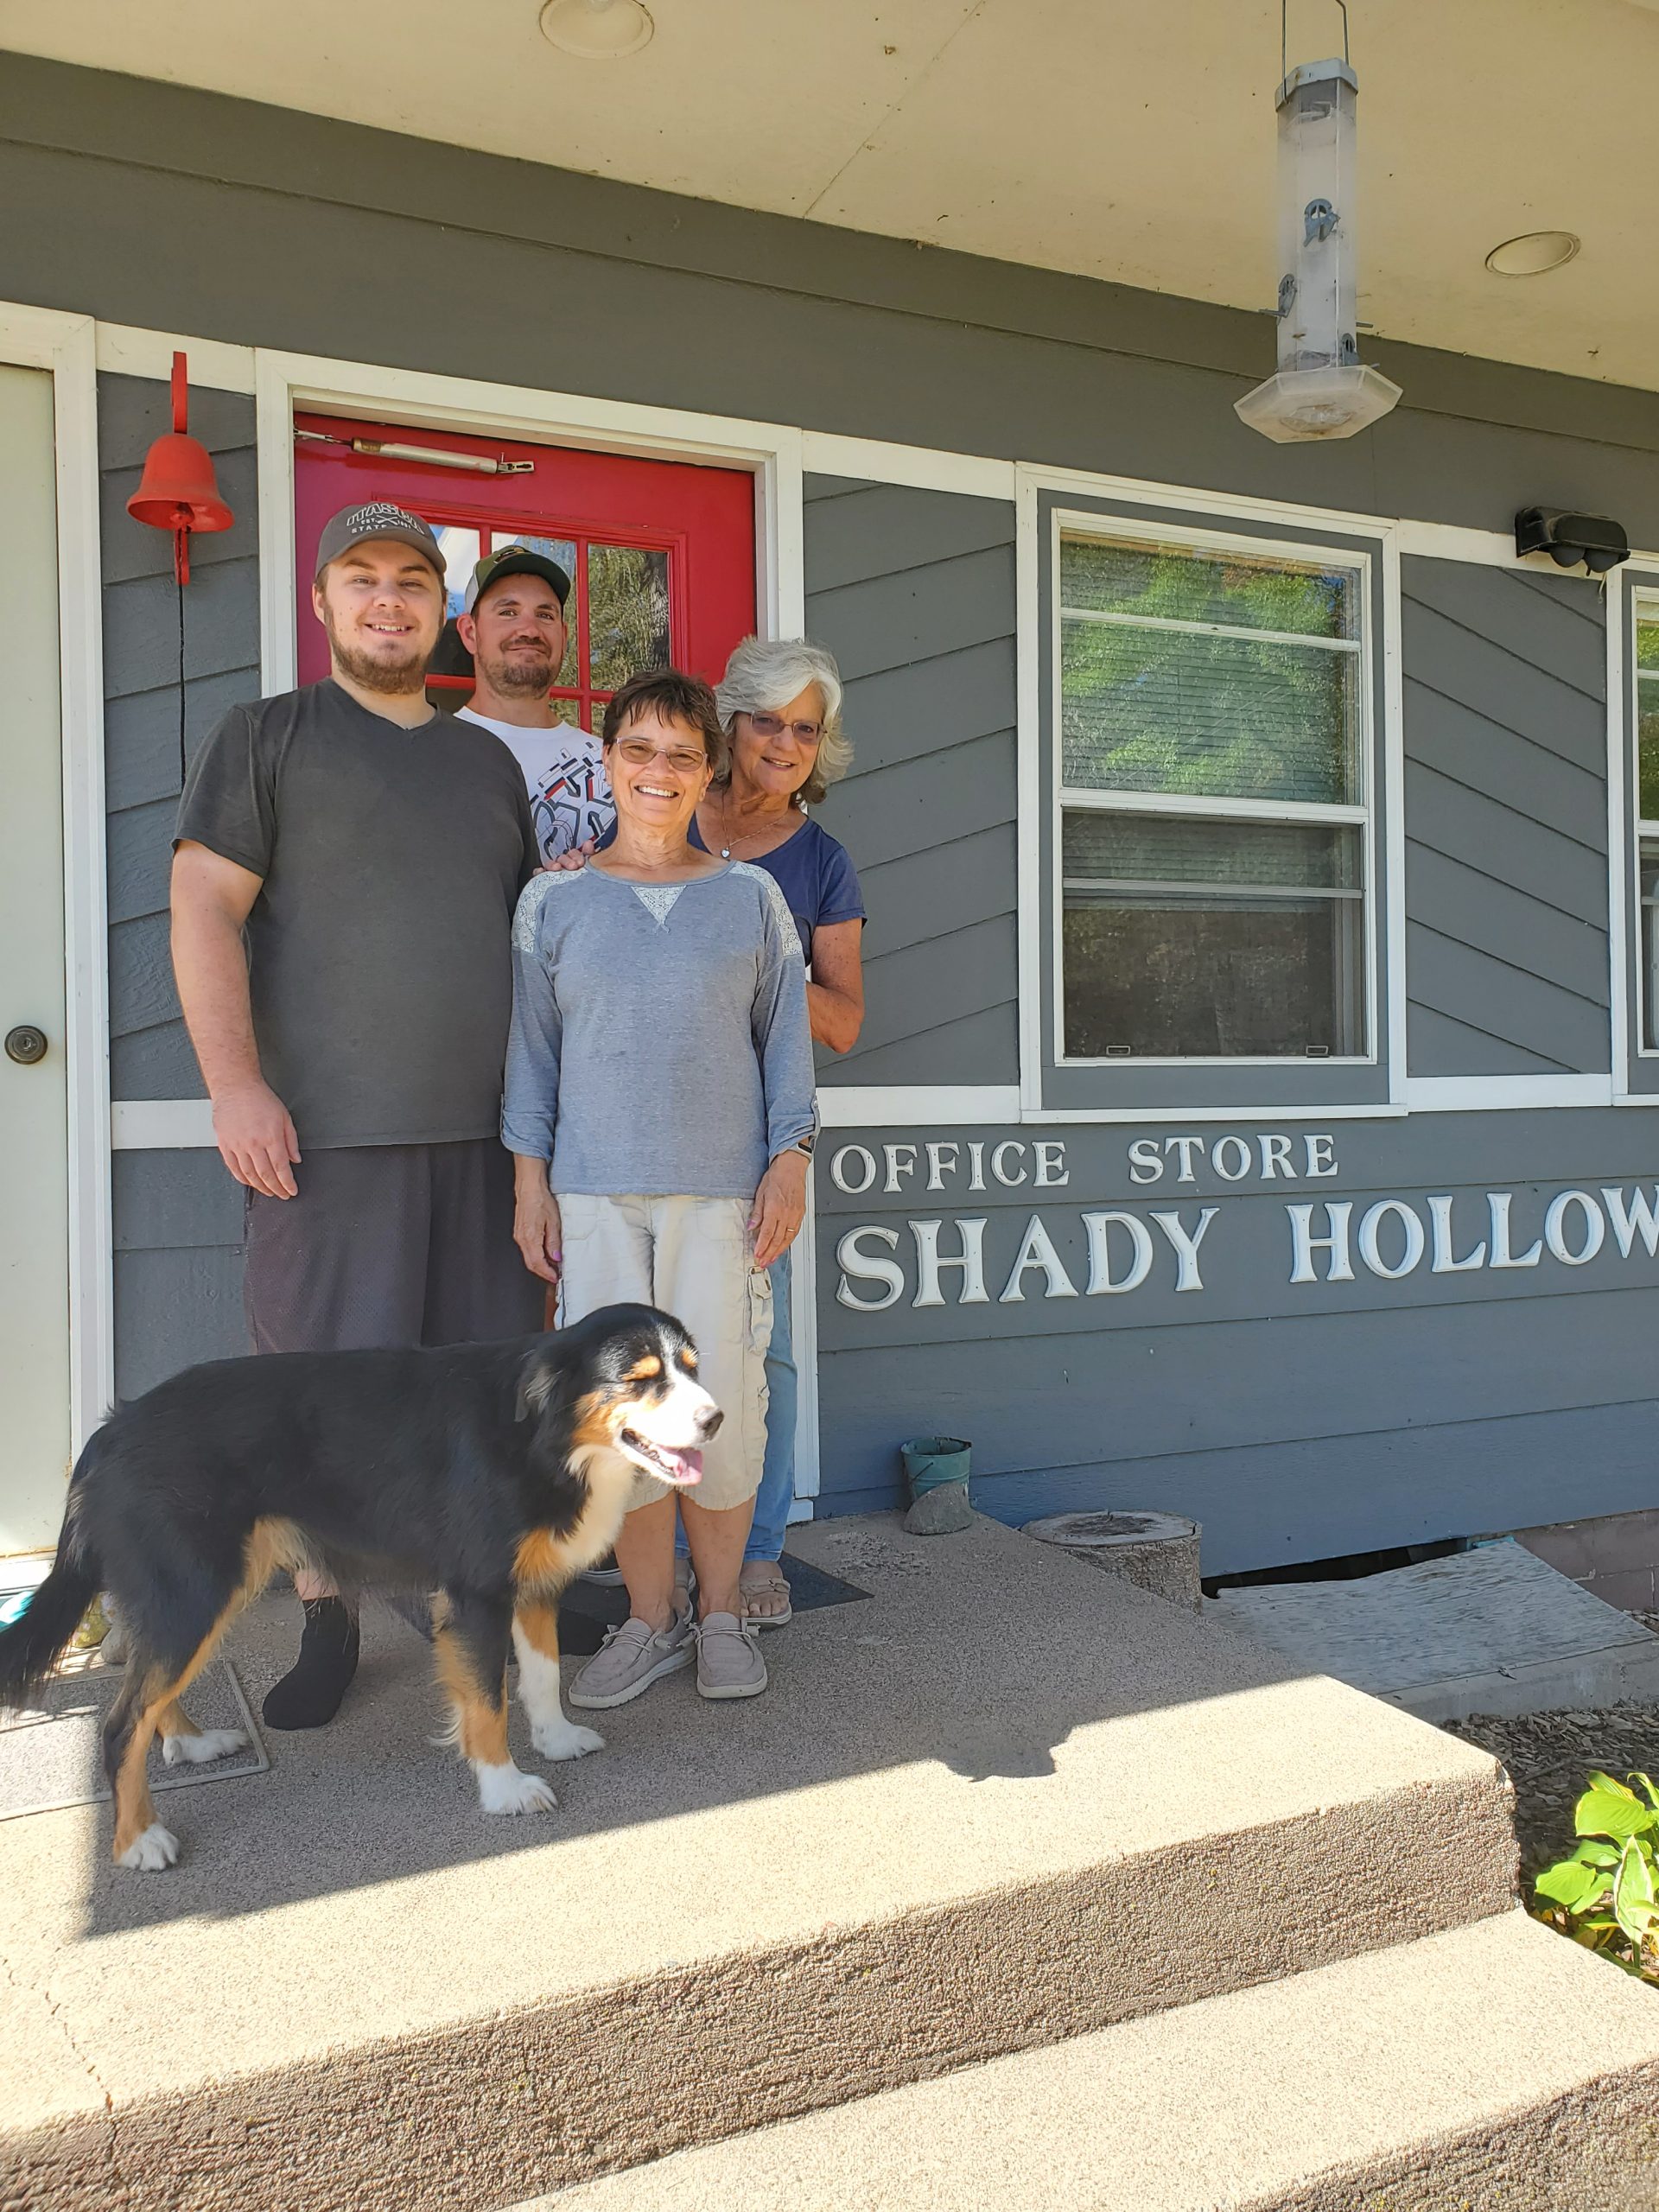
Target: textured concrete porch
{"x":1002,"y":1803}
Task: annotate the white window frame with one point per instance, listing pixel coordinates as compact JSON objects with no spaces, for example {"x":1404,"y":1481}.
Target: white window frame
{"x":1627,"y":683}
{"x":1078,"y":523}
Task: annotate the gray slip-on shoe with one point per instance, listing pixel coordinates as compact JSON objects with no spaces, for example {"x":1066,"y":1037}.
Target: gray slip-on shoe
{"x":729,"y":1660}
{"x":629,"y":1661}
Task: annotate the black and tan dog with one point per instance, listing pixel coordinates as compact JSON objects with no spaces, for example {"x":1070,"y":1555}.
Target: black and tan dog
{"x":488,"y":1473}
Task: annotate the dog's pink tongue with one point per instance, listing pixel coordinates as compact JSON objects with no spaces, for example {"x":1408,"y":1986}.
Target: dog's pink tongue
{"x":687,"y":1467}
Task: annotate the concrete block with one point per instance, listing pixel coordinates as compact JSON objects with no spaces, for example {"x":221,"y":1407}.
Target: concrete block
{"x":1002,"y":1801}
{"x":1157,"y":1552}
{"x":1416,"y":2079}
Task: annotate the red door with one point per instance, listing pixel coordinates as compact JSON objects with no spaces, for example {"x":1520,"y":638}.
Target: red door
{"x":661,"y":554}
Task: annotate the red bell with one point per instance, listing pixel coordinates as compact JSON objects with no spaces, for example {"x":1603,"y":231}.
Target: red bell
{"x":179,"y":491}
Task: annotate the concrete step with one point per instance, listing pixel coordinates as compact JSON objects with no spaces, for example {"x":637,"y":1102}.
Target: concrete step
{"x":1496,"y":2067}
{"x":1001,"y":1801}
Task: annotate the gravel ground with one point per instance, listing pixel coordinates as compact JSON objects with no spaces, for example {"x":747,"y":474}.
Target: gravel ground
{"x":1549,"y":1757}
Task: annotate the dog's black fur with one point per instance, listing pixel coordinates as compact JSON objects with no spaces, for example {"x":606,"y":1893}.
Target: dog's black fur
{"x":464,"y":1470}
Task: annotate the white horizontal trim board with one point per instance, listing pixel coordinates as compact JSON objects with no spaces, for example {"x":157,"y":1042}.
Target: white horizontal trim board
{"x":925,"y":468}
{"x":122,"y":351}
{"x":1490,"y":1094}
{"x":859,"y":1106}
{"x":162,"y":1124}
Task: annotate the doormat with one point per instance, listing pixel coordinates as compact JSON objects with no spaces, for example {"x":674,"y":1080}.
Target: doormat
{"x":587,"y":1609}
{"x":51,"y":1754}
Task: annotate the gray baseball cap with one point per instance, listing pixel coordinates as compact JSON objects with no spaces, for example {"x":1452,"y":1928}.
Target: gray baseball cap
{"x":515,"y":560}
{"x":377,"y":518}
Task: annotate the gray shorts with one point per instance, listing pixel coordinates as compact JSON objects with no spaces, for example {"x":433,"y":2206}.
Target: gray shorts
{"x":389,"y":1245}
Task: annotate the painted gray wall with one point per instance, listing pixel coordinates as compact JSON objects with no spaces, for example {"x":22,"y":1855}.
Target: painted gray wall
{"x":1374,"y":1415}
{"x":1294,"y":1420}
{"x":1506,"y":822}
{"x":913,"y":592}
{"x":178,"y":1215}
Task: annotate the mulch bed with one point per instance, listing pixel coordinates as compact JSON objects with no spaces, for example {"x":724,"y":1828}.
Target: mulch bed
{"x":1549,"y":1757}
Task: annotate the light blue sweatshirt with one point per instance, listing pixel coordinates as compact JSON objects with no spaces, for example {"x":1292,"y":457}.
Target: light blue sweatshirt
{"x":659,"y":1040}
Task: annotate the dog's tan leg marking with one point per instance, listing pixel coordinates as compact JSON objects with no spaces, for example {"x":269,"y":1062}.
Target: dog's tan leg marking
{"x":536,"y":1639}
{"x":480,"y":1711}
{"x":543,"y":1562}
{"x":137,"y":1831}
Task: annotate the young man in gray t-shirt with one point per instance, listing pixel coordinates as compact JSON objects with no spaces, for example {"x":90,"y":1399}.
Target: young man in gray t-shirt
{"x":346,"y":867}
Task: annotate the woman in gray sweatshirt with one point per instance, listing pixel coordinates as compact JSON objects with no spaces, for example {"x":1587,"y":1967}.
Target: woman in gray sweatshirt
{"x":660,"y":1102}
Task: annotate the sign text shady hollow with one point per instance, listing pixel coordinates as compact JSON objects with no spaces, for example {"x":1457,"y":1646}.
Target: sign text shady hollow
{"x":1257,"y":1222}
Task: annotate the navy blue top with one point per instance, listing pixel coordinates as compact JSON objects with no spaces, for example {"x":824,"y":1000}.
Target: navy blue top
{"x":811,"y":869}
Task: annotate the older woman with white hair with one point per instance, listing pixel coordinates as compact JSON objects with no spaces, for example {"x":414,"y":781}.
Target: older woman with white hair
{"x":780,"y":705}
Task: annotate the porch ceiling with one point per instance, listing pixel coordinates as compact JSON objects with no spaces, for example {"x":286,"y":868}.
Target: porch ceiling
{"x":1103,"y":138}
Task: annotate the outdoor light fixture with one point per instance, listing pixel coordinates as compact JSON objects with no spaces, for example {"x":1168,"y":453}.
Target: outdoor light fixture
{"x":597,"y":30}
{"x":1533,"y":253}
{"x":1322,"y":390}
{"x":1594,"y":542}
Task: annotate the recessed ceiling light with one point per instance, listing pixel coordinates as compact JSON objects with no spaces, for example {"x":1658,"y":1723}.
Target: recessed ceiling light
{"x":1532,"y":254}
{"x":597,"y":30}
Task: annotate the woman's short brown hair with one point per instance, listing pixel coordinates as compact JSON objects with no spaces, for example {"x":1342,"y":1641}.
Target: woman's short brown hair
{"x":675,"y":697}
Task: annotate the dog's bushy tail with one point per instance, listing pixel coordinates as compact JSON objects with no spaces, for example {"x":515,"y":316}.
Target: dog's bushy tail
{"x":31,"y":1647}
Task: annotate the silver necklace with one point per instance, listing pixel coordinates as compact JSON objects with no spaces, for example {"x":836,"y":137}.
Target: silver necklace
{"x":743,"y":836}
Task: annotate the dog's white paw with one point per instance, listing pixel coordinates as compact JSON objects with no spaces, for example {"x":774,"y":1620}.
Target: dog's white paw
{"x":156,"y":1849}
{"x":200,"y":1750}
{"x":565,"y":1739}
{"x":509,"y":1789}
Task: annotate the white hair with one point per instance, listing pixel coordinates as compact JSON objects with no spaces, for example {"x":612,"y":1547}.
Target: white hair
{"x":762,"y":677}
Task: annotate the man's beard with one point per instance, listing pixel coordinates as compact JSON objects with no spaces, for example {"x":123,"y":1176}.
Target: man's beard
{"x":397,"y":677}
{"x":518,"y":675}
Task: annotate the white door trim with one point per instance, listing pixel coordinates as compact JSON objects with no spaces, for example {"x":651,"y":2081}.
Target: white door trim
{"x":43,"y":337}
{"x":774,"y":451}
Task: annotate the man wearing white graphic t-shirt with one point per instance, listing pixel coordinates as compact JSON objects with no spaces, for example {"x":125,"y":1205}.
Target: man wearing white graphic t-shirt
{"x":513,"y":625}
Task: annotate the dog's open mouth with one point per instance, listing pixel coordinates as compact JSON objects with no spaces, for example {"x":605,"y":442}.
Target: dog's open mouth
{"x":680,"y":1468}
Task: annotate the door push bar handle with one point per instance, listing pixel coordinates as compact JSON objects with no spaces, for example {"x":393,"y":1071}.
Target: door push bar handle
{"x":26,"y":1044}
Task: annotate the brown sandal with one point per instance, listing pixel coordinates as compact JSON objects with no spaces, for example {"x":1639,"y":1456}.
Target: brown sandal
{"x":764,"y":1579}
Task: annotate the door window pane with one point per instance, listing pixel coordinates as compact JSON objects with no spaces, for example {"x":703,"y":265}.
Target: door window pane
{"x":460,"y":551}
{"x":627,"y":614}
{"x":564,"y":550}
{"x":1188,"y":713}
{"x":1173,"y":585}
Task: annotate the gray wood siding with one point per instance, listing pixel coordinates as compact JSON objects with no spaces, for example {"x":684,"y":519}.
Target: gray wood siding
{"x":149,"y":1053}
{"x":178,"y":1266}
{"x":914,"y":593}
{"x":1506,"y":822}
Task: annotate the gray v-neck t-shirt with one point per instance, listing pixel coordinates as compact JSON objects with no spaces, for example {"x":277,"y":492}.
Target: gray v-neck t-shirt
{"x":379,"y":942}
{"x":660,"y":1043}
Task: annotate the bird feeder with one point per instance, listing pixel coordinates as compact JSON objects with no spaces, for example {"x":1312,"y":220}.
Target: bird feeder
{"x":1322,"y":389}
{"x":179,"y":491}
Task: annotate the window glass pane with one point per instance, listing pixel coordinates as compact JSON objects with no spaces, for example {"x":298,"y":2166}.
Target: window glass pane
{"x":1649,"y":946}
{"x":1647,"y":742}
{"x":569,"y":711}
{"x":1211,"y":976}
{"x":460,"y":551}
{"x":1178,"y":586}
{"x":564,"y":550}
{"x":1178,"y":711}
{"x":1105,"y":849}
{"x":627,"y":613}
{"x":1647,"y":644}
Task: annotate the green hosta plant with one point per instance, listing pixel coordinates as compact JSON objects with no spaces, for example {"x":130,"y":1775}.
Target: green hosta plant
{"x":1606,"y":1895}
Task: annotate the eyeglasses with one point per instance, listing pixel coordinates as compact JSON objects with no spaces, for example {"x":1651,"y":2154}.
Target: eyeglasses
{"x":640,"y":753}
{"x":774,"y":726}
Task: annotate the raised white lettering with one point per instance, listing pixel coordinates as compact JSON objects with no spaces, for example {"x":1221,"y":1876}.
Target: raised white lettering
{"x":1237,"y":1149}
{"x":1145,"y":1165}
{"x":868,"y":1267}
{"x":1037,"y":1250}
{"x":1640,"y":1218}
{"x":930,"y":1264}
{"x":901,"y":1160}
{"x":1054,"y":1170}
{"x":1595,"y":1229}
{"x":1319,"y":1156}
{"x":1186,"y":1245}
{"x":1443,"y":1260}
{"x":1276,"y":1158}
{"x":1370,"y":1251}
{"x":975,"y":1167}
{"x":1185,"y":1147}
{"x":1008,"y":1182}
{"x":1304,"y":1243}
{"x":937,"y":1163}
{"x":1497,"y":1206}
{"x":1099,"y":1261}
{"x":837,"y":1172}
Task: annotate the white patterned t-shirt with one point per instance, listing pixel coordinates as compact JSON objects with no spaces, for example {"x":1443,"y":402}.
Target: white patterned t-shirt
{"x":570,"y":797}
